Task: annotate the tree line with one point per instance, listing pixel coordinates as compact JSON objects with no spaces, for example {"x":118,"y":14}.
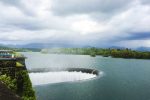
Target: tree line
{"x":116,"y":53}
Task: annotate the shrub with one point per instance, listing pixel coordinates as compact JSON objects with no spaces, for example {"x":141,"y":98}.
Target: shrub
{"x":28,"y":92}
{"x":9,"y":82}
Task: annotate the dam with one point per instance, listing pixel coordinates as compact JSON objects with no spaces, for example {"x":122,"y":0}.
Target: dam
{"x":67,"y":75}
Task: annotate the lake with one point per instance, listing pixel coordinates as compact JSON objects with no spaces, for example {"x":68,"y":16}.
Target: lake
{"x":122,"y":79}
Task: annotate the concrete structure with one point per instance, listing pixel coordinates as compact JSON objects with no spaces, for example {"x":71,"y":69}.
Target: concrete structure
{"x":6,"y":54}
{"x":10,"y":64}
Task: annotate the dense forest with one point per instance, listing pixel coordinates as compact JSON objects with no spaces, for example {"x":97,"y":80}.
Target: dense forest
{"x":116,"y":53}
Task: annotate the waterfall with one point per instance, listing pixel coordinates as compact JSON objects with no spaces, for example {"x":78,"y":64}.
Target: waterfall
{"x":57,"y":77}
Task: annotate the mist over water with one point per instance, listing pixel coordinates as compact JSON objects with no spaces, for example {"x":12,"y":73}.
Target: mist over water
{"x":58,"y":77}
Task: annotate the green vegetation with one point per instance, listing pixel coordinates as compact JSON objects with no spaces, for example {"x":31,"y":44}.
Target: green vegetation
{"x":126,"y":53}
{"x":16,"y":54}
{"x":25,"y":85}
{"x":9,"y":82}
{"x":14,"y":75}
{"x":116,"y":53}
{"x":20,"y":85}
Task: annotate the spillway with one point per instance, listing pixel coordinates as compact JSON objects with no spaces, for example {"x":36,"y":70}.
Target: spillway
{"x":68,"y":75}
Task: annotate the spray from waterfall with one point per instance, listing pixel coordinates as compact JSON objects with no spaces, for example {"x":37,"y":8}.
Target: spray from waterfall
{"x":58,"y":77}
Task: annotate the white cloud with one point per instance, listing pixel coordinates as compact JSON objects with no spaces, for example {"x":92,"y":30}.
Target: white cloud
{"x":28,"y":21}
{"x":136,"y":18}
{"x":85,"y":25}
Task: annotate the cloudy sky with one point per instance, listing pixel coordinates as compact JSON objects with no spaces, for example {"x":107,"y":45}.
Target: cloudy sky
{"x":99,"y":23}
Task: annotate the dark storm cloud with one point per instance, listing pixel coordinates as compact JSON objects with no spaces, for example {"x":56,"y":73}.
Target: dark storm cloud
{"x":132,"y":36}
{"x":65,"y":7}
{"x":139,"y":36}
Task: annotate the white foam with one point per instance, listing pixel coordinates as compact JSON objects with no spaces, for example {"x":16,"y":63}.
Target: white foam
{"x":57,"y":77}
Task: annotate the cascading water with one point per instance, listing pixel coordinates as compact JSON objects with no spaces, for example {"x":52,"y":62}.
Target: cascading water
{"x":57,"y":77}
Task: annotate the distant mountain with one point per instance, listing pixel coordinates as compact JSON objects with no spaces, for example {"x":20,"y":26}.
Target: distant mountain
{"x":34,"y":45}
{"x":45,"y":45}
{"x":18,"y":48}
{"x":143,"y":49}
{"x":64,"y":45}
{"x":116,"y":47}
{"x":59,"y":45}
{"x":1,"y":46}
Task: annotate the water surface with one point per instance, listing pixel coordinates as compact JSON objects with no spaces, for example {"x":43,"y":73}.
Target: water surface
{"x":123,"y":79}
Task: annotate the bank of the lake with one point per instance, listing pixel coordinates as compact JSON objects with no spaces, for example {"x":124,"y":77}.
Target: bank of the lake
{"x":105,"y":52}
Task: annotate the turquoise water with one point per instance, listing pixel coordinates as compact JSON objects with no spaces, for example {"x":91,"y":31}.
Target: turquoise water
{"x":123,"y":79}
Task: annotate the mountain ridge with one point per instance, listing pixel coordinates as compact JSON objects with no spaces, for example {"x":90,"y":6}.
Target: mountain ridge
{"x":61,"y":45}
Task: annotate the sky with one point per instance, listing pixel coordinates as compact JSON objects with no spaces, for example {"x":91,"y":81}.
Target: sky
{"x":100,"y":23}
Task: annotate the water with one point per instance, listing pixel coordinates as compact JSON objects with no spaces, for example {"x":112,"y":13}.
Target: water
{"x":58,"y":77}
{"x":123,"y":79}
